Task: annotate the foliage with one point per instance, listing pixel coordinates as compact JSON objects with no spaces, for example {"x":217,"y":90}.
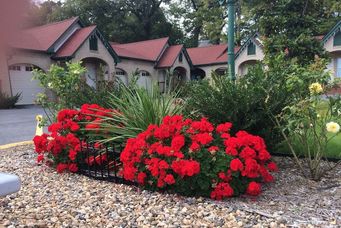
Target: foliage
{"x":7,"y":101}
{"x":119,"y":20}
{"x":195,"y":158}
{"x":249,"y":102}
{"x":62,"y":146}
{"x":137,"y":109}
{"x":69,"y":90}
{"x":312,"y":128}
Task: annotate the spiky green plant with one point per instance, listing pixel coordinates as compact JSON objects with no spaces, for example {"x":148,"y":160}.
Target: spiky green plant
{"x":137,"y":108}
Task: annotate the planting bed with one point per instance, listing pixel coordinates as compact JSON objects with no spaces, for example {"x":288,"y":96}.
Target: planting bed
{"x":72,"y":200}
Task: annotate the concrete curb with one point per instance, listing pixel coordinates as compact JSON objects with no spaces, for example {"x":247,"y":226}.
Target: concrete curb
{"x":7,"y":146}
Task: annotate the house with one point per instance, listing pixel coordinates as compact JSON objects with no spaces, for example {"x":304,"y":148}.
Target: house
{"x":153,"y":61}
{"x":213,"y":58}
{"x":332,"y":44}
{"x":55,"y":43}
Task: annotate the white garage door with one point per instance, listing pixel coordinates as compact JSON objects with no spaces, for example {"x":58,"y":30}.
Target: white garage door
{"x":22,"y":82}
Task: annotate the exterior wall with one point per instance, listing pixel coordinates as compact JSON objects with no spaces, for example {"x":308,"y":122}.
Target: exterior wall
{"x":335,"y":54}
{"x":102,"y":53}
{"x":39,"y":59}
{"x":183,"y":64}
{"x":211,"y":68}
{"x":130,"y":66}
{"x":243,"y":59}
{"x":4,"y":77}
{"x":330,"y":47}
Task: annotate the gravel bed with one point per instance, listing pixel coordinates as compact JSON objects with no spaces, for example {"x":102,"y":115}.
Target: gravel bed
{"x":48,"y":199}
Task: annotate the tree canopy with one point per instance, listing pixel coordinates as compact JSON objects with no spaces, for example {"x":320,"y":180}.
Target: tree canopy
{"x":189,"y":21}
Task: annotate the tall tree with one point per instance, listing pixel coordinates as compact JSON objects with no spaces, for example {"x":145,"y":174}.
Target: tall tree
{"x":119,"y":20}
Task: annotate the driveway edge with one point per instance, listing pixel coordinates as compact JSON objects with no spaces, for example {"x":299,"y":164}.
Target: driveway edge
{"x":10,"y":145}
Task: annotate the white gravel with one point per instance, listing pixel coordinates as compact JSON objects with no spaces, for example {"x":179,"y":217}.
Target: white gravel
{"x":48,"y":199}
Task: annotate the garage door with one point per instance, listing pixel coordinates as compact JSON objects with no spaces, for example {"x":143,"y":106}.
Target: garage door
{"x":22,"y":82}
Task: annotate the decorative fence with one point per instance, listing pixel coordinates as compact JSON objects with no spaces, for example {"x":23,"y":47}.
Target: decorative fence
{"x":102,"y":163}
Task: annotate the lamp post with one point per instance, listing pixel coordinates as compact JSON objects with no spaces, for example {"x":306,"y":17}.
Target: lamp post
{"x":230,"y":37}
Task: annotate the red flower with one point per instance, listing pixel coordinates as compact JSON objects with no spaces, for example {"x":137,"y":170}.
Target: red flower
{"x":251,"y":168}
{"x":213,"y":149}
{"x":203,"y":138}
{"x":253,"y":189}
{"x":272,"y":167}
{"x":264,"y":155}
{"x":194,"y":147}
{"x":141,"y":178}
{"x":169,"y":179}
{"x":40,"y":143}
{"x":178,"y":142}
{"x":186,"y":167}
{"x":73,"y":168}
{"x":224,"y":128}
{"x":40,"y":158}
{"x":61,"y":167}
{"x":222,"y":190}
{"x":72,"y":155}
{"x":236,"y":165}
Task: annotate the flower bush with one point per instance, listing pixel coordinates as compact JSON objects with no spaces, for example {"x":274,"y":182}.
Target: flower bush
{"x":62,"y":146}
{"x":195,"y":158}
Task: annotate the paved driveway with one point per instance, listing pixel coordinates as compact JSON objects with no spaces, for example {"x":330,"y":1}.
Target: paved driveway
{"x":18,"y":124}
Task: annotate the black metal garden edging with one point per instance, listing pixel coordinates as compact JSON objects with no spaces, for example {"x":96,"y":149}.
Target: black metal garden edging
{"x":102,"y":163}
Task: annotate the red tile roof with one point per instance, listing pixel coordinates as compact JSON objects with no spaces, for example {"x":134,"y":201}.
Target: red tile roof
{"x":169,"y":56}
{"x":148,"y":50}
{"x":41,"y":38}
{"x":75,"y":41}
{"x":214,"y":54}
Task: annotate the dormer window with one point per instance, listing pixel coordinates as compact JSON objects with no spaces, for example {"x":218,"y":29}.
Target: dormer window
{"x":337,"y":39}
{"x":180,"y":57}
{"x":251,"y":49}
{"x":93,"y":43}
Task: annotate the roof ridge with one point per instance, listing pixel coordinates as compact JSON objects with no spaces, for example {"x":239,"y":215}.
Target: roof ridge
{"x":144,"y":41}
{"x":213,"y":45}
{"x":52,"y":23}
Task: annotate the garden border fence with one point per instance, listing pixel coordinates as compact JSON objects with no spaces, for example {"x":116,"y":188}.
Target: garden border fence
{"x":103,"y":163}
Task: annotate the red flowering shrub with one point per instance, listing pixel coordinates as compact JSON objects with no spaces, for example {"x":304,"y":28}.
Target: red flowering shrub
{"x":196,"y":158}
{"x":61,"y":147}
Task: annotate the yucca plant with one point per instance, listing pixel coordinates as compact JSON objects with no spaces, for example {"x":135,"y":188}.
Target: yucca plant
{"x":134,"y":109}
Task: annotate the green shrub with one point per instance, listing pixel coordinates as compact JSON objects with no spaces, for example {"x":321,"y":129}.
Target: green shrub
{"x":69,"y":89}
{"x":7,"y":101}
{"x":249,"y":103}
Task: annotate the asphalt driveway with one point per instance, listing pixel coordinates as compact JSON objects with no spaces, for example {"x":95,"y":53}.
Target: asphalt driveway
{"x":19,"y":124}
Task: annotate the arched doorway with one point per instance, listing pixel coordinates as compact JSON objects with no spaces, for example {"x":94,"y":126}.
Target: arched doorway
{"x":22,"y":82}
{"x":198,"y":74}
{"x":121,"y":76}
{"x":244,"y":67}
{"x":221,"y":71}
{"x":97,"y":71}
{"x":144,"y":80}
{"x":179,"y":77}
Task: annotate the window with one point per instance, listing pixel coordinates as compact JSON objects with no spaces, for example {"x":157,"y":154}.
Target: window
{"x":180,"y":57}
{"x":162,"y":82}
{"x":15,"y":67}
{"x":338,"y":68}
{"x":93,"y":43}
{"x":29,"y":68}
{"x":337,"y":39}
{"x":251,"y":49}
{"x":120,"y":72}
{"x":144,"y":73}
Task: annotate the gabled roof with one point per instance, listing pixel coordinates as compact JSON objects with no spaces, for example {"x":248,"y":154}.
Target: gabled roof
{"x":209,"y":55}
{"x":169,"y":56}
{"x":75,"y":41}
{"x":255,"y":38}
{"x":332,"y":32}
{"x":149,"y":50}
{"x":42,"y":38}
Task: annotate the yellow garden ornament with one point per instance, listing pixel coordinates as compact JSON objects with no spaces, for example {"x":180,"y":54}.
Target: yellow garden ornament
{"x":39,"y":129}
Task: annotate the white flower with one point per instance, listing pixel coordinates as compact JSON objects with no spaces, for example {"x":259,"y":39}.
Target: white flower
{"x":49,"y":85}
{"x":76,"y":72}
{"x":333,"y":127}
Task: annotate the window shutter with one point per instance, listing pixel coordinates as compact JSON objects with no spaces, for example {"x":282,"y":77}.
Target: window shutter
{"x":251,"y":49}
{"x":337,"y":39}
